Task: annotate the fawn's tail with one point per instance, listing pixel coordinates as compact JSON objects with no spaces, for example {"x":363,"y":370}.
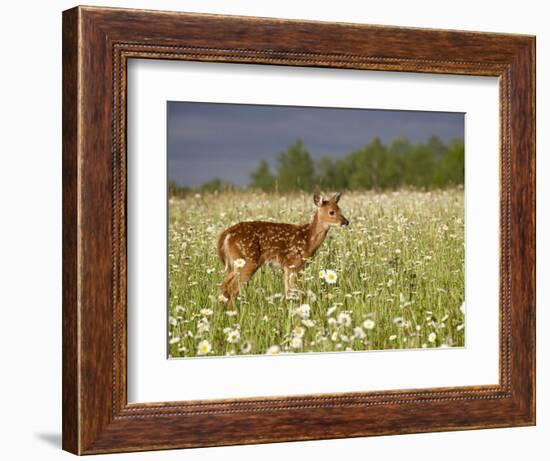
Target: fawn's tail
{"x":221,"y":247}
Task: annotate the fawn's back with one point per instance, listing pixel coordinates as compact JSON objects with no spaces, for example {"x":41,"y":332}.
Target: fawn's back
{"x":263,"y":242}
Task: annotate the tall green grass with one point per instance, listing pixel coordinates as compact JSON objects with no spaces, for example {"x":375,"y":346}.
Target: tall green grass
{"x":400,"y":268}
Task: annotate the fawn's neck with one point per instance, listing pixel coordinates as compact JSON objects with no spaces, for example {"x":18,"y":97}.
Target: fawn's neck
{"x":317,"y":231}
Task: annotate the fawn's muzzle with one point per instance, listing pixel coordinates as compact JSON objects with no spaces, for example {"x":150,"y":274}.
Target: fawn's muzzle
{"x":344,"y":222}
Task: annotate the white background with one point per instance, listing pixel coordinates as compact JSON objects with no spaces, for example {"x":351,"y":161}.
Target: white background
{"x":30,"y":243}
{"x":153,"y":378}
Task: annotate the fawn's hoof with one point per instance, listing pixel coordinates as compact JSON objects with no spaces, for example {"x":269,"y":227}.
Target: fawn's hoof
{"x":222,"y":298}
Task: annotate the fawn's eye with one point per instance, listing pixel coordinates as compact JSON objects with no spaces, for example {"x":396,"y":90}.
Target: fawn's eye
{"x":331,"y":213}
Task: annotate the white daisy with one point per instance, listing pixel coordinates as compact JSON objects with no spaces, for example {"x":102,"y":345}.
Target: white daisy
{"x":273,"y":350}
{"x":246,"y":347}
{"x":399,"y":321}
{"x":173,"y":321}
{"x":368,"y":324}
{"x":344,"y":319}
{"x":203,"y":326}
{"x":331,"y":276}
{"x":207,"y":312}
{"x":298,"y":332}
{"x":239,"y":263}
{"x":322,"y":273}
{"x":303,"y":310}
{"x":359,"y":333}
{"x":312,"y":296}
{"x":204,"y":347}
{"x":431,"y":337}
{"x":233,"y":336}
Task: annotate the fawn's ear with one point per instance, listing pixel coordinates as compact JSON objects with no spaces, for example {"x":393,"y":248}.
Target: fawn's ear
{"x":317,"y":199}
{"x":336,"y":197}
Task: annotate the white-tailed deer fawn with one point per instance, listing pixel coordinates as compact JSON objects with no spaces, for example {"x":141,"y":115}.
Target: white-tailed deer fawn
{"x":246,"y":246}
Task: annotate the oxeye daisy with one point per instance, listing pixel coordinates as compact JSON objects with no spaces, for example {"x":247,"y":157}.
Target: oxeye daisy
{"x":432,"y":337}
{"x":303,"y":310}
{"x":204,"y":347}
{"x":368,"y":324}
{"x":344,"y":319}
{"x":399,"y":321}
{"x":239,"y":263}
{"x":203,"y":326}
{"x":296,"y":342}
{"x":273,"y":350}
{"x":322,"y":273}
{"x":233,"y":336}
{"x":331,"y":276}
{"x":246,"y":347}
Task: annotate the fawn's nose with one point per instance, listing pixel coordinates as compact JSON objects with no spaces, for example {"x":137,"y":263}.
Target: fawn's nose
{"x":345,"y":222}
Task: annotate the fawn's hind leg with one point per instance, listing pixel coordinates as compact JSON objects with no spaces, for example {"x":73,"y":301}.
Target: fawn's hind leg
{"x":239,"y":277}
{"x":225,"y":286}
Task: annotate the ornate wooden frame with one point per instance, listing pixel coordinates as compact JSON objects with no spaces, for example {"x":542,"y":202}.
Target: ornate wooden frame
{"x":97,"y":43}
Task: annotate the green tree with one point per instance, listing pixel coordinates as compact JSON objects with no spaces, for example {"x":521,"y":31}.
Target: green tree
{"x":217,"y":185}
{"x":262,"y":178}
{"x":450,"y":170}
{"x":371,"y":167}
{"x":295,"y":169}
{"x":175,"y":190}
{"x":419,"y":167}
{"x":437,"y":147}
{"x":400,"y":147}
{"x":332,"y":173}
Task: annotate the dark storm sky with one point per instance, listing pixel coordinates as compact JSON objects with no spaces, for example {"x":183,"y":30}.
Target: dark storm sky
{"x":206,"y":140}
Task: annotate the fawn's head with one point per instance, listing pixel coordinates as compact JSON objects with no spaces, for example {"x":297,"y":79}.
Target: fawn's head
{"x":328,"y":211}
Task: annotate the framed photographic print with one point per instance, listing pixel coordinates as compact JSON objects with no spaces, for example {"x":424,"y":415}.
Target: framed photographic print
{"x":284,"y":230}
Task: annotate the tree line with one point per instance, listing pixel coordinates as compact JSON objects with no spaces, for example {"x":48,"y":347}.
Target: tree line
{"x":432,"y":164}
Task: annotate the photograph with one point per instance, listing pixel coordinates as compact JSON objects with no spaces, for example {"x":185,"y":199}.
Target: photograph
{"x":298,"y":229}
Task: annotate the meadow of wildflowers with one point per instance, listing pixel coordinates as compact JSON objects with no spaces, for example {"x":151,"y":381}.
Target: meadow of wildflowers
{"x":394,"y":279}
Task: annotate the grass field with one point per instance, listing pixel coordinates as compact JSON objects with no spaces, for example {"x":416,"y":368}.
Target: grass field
{"x":399,"y":267}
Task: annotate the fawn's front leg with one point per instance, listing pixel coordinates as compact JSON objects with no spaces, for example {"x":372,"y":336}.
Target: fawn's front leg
{"x":291,"y":280}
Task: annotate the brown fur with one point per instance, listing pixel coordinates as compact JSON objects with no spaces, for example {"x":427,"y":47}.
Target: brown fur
{"x":286,"y":245}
